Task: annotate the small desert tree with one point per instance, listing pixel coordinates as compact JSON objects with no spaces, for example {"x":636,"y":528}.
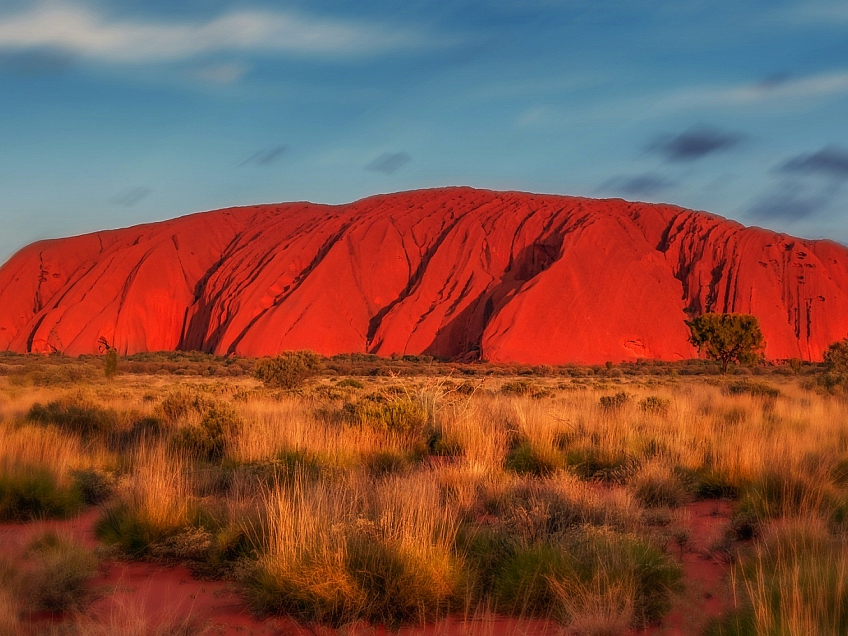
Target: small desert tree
{"x":110,"y":364}
{"x":289,"y":370}
{"x":110,"y":358}
{"x":836,"y":367}
{"x":728,"y":338}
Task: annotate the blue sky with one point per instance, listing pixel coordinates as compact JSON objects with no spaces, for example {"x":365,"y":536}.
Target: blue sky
{"x":122,"y":112}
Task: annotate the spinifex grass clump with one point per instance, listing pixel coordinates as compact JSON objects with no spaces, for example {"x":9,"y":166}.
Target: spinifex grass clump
{"x":338,"y":552}
{"x":61,"y":570}
{"x":796,"y":582}
{"x":556,"y":552}
{"x":208,"y":439}
{"x":28,"y":493}
{"x":396,"y":414}
{"x":75,"y":415}
{"x":155,"y":502}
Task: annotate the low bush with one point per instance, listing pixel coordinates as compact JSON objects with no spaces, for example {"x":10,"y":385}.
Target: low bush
{"x":544,"y":579}
{"x":655,"y":404}
{"x":656,"y":486}
{"x":395,"y":414}
{"x":387,"y":462}
{"x":62,"y":569}
{"x":94,"y":486}
{"x":28,"y":493}
{"x":528,"y":459}
{"x":756,"y":389}
{"x":613,"y":402}
{"x":289,"y":370}
{"x":75,"y":415}
{"x":182,"y":402}
{"x":596,"y":464}
{"x":209,"y":439}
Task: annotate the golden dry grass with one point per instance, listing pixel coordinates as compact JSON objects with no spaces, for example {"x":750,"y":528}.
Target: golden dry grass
{"x":306,"y":497}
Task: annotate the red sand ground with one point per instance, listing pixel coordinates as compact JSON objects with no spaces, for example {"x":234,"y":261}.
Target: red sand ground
{"x":456,"y":273}
{"x":157,"y":593}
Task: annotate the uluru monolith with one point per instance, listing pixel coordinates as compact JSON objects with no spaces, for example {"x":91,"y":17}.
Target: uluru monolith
{"x":455,"y":273}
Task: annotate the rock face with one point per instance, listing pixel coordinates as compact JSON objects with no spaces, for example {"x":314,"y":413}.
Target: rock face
{"x":454,"y":273}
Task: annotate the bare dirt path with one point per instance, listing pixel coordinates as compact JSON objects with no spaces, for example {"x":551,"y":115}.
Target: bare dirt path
{"x":705,"y":576}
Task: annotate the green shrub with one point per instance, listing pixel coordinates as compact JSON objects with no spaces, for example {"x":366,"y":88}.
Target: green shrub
{"x":711,"y":484}
{"x":208,"y":440}
{"x":613,"y":402}
{"x":522,"y":582}
{"x":74,"y":415}
{"x":656,"y":487}
{"x":28,"y":493}
{"x":517,"y":387}
{"x":130,"y":531}
{"x":655,"y":404}
{"x":289,"y":370}
{"x":438,"y":444}
{"x":527,"y":388}
{"x":527,"y":459}
{"x":398,"y":414}
{"x":94,"y":486}
{"x":593,"y":463}
{"x":350,"y":383}
{"x":529,"y":580}
{"x":57,"y":583}
{"x":386,"y":462}
{"x":372,"y":580}
{"x":756,"y":389}
{"x":181,"y":402}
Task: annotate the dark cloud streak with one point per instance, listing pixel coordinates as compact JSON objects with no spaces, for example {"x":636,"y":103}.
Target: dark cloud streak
{"x":831,"y":161}
{"x":639,"y":185}
{"x":693,"y":144}
{"x":131,"y":197}
{"x":389,"y":163}
{"x":266,"y":156}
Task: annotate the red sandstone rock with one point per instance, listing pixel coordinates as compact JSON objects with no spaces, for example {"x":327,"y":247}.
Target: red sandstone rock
{"x":455,"y":273}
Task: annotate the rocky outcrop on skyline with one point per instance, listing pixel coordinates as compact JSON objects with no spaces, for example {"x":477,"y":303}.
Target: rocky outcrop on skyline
{"x":454,"y":273}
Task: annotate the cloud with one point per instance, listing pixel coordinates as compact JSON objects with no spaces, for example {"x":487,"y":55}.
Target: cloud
{"x":73,"y":28}
{"x":266,"y":156}
{"x":639,"y":185}
{"x":389,"y":163}
{"x":694,"y":144}
{"x":221,"y":73}
{"x":777,"y":88}
{"x":790,"y":201}
{"x":831,"y":161}
{"x":129,"y":198}
{"x":35,"y":62}
{"x":823,"y":12}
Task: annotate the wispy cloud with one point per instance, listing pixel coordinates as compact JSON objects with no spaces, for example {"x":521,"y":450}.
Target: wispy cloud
{"x":821,"y":12}
{"x":221,"y":73}
{"x":129,"y":198}
{"x":266,"y":156}
{"x":830,"y":161}
{"x":774,"y":89}
{"x":389,"y":163}
{"x":80,"y":30}
{"x":647,"y":184}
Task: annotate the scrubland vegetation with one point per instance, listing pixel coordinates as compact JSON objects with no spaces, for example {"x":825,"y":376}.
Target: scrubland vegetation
{"x":401,"y":492}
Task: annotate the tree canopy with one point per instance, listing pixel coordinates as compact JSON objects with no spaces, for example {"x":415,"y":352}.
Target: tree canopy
{"x":728,"y":338}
